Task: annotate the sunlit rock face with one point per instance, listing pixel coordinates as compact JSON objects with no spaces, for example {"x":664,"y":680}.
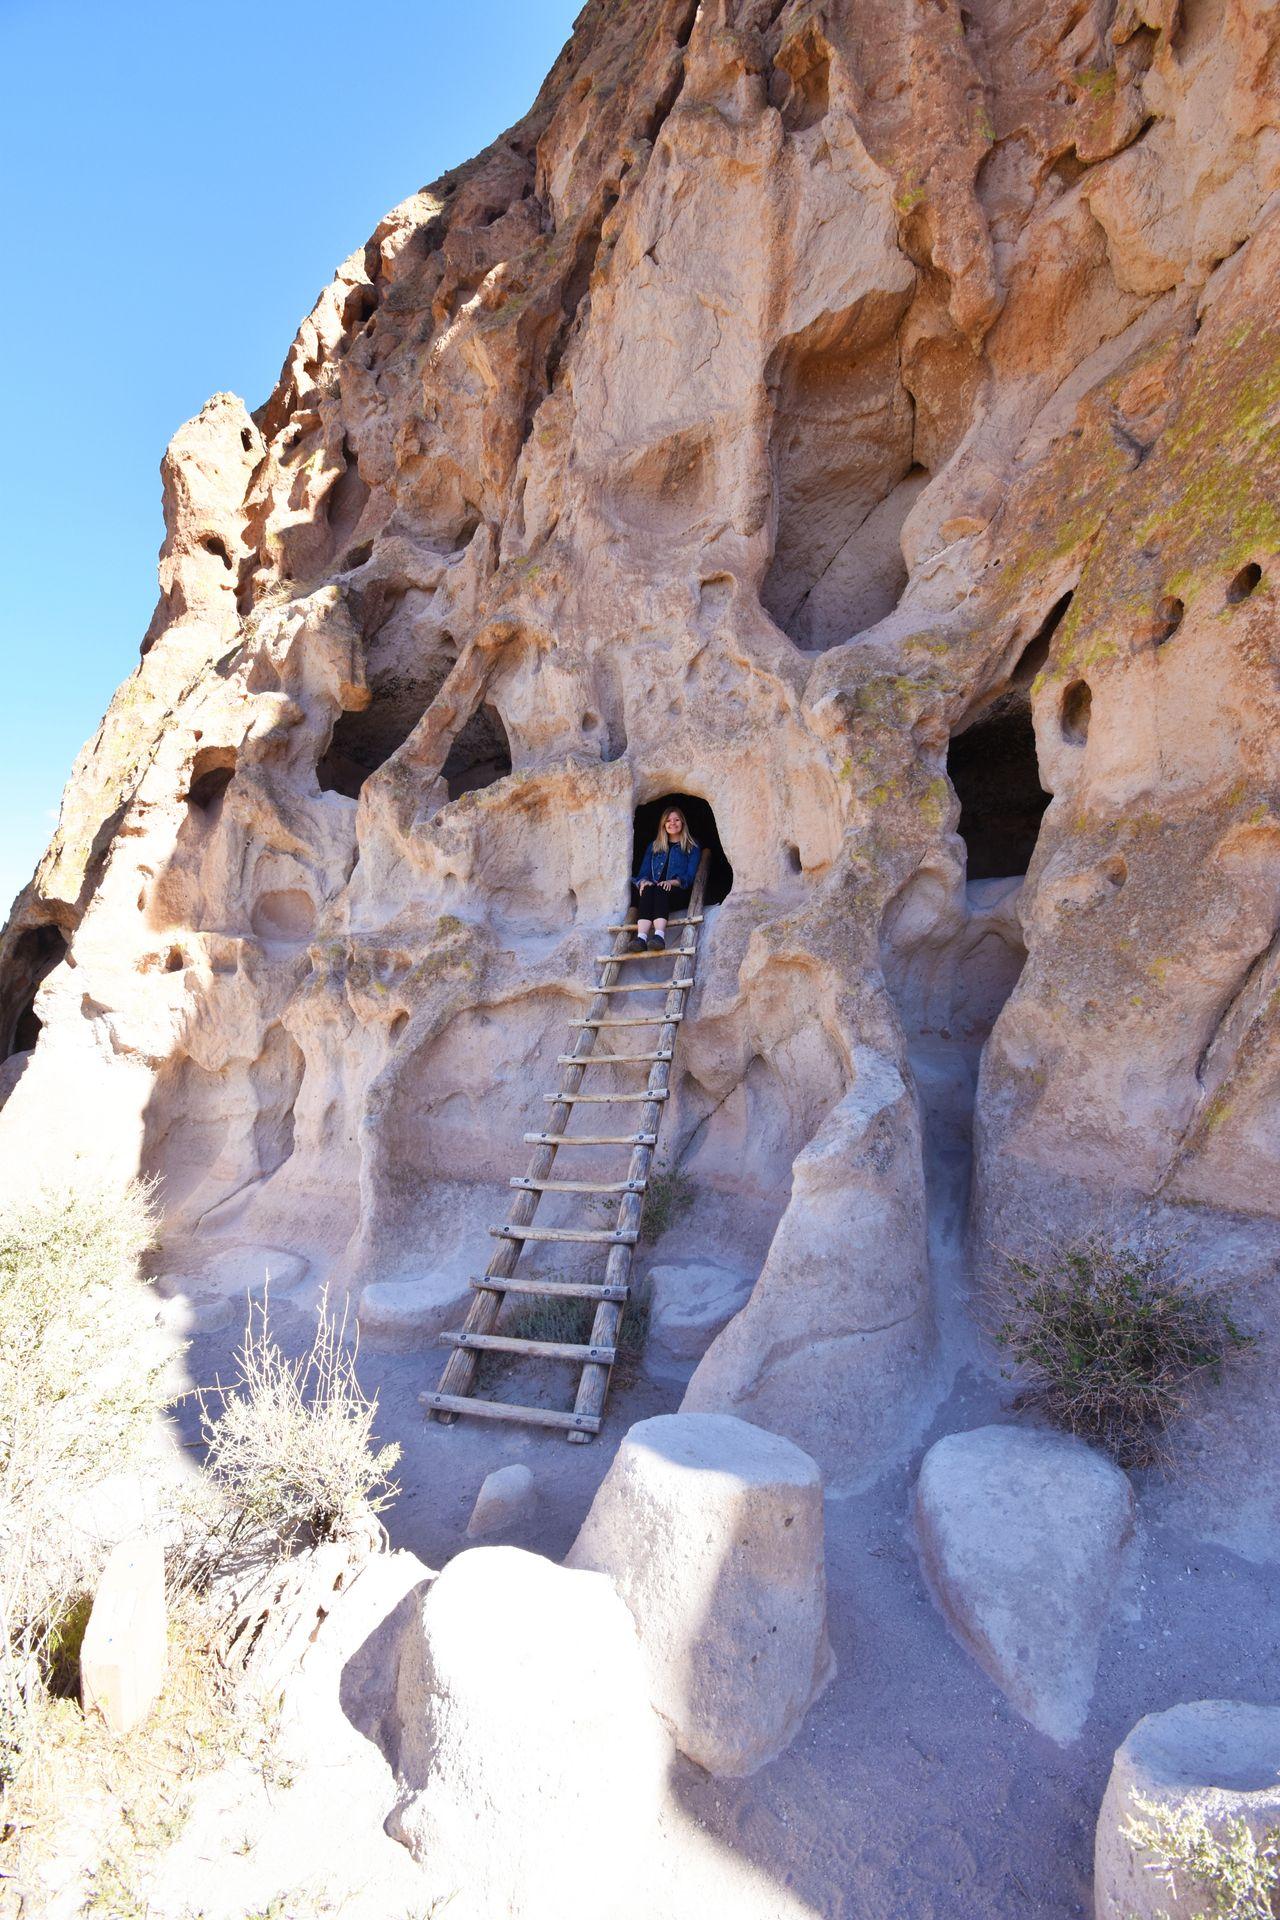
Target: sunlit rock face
{"x":864,"y":418}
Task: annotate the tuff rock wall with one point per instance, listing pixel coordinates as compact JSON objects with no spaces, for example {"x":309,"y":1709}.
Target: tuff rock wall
{"x":795,"y":392}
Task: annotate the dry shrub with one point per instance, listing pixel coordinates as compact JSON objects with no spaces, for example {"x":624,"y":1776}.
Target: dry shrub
{"x":79,"y":1386}
{"x":1112,"y":1341}
{"x":1234,"y":1874}
{"x":290,"y":1442}
{"x":571,"y":1321}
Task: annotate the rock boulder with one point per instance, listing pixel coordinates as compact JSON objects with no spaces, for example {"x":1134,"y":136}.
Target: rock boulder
{"x":713,"y":1532}
{"x":1021,"y":1535}
{"x":1216,"y":1760}
{"x":532,"y":1759}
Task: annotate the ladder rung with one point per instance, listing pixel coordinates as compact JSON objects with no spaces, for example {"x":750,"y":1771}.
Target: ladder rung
{"x":641,"y":986}
{"x":535,"y":1349}
{"x":631,"y":1020}
{"x":578,"y":1186}
{"x":602,"y":1236}
{"x":605,"y":1099}
{"x":625,"y":959}
{"x":591,"y":1139}
{"x":608,"y":1060}
{"x":507,"y":1410}
{"x":685,"y":920}
{"x":551,"y":1289}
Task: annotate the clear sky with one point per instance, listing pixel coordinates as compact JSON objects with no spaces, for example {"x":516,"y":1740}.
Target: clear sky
{"x":177,"y":183}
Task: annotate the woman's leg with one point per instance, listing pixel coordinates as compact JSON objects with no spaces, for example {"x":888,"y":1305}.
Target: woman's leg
{"x":646,"y":896}
{"x":674,"y":901}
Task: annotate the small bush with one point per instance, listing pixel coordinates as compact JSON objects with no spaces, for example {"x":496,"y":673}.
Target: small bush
{"x":1112,"y":1341}
{"x":669,"y":1198}
{"x":291,"y":1441}
{"x":1236,"y":1875}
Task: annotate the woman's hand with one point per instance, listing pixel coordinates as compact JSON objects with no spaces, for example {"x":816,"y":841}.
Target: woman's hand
{"x":668,"y":884}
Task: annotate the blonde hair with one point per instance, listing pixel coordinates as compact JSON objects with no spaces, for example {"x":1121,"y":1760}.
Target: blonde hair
{"x":661,"y":841}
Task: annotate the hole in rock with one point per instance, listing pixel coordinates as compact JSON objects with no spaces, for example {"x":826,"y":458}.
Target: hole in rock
{"x":480,"y":754}
{"x":1168,"y":618}
{"x":807,"y":66}
{"x":702,"y":825}
{"x":1077,"y":705}
{"x":358,"y":555}
{"x":212,"y":772}
{"x":840,"y":450}
{"x":1246,"y":582}
{"x":174,"y":962}
{"x":35,"y":954}
{"x":285,"y":914}
{"x":218,"y":548}
{"x":993,"y":767}
{"x":793,"y":859}
{"x":362,"y":742}
{"x":246,"y":439}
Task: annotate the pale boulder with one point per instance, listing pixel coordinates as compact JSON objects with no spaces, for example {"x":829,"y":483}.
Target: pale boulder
{"x":1216,"y":1759}
{"x":712,"y":1530}
{"x":421,"y":1306}
{"x":534,"y":1763}
{"x":1022,"y":1536}
{"x":507,"y":1496}
{"x":124,"y":1653}
{"x":689,"y":1307}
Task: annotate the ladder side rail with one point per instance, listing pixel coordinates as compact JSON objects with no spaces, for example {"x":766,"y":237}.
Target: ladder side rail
{"x":459,"y":1373}
{"x":594,"y":1384}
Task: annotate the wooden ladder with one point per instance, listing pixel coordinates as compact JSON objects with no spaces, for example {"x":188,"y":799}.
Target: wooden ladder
{"x":454,"y":1395}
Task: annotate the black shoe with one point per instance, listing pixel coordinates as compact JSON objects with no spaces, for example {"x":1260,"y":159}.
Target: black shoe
{"x":636,"y":944}
{"x":656,"y":943}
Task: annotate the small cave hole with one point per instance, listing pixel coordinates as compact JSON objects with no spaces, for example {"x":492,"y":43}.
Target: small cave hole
{"x":36,"y":952}
{"x":362,"y":742}
{"x":993,"y":767}
{"x":212,"y":772}
{"x":794,"y":863}
{"x":246,"y":439}
{"x":1168,"y":618}
{"x":1247,"y":581}
{"x":218,"y":548}
{"x":175,"y":960}
{"x":358,"y":556}
{"x":1077,"y":705}
{"x":1036,"y":652}
{"x":480,"y":754}
{"x":702,"y":825}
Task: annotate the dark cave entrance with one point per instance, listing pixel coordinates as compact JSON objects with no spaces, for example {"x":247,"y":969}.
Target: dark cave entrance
{"x":35,"y":955}
{"x":480,"y":754}
{"x":362,"y":742}
{"x":702,"y":825}
{"x":993,"y":767}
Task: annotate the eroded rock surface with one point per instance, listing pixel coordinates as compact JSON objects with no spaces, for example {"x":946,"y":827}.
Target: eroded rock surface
{"x":862,"y":418}
{"x":1022,"y":1536}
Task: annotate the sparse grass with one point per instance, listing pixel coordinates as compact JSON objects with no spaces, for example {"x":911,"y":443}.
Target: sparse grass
{"x":669,"y":1198}
{"x":291,"y":1441}
{"x":571,"y":1321}
{"x":1112,"y":1341}
{"x":1235,"y":1874}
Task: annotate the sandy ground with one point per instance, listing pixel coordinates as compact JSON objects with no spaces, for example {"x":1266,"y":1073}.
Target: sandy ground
{"x":914,"y":1791}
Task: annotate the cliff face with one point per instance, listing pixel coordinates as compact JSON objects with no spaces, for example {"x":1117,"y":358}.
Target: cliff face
{"x":862,"y":416}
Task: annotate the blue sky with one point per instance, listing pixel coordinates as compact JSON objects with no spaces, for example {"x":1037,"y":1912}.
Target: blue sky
{"x":177,"y":183}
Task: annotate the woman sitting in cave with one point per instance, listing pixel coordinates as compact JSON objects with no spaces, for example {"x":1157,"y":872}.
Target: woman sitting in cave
{"x":664,"y":882}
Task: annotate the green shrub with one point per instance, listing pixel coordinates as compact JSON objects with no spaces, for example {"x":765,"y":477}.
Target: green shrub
{"x":1236,"y":1875}
{"x":290,"y":1442}
{"x":1111,"y":1341}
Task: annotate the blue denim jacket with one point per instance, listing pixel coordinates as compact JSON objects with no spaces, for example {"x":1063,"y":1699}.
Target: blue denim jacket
{"x":675,"y":864}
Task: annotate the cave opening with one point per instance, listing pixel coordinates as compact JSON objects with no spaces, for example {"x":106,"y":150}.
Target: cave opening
{"x":36,"y":953}
{"x":993,"y":767}
{"x":363,"y":741}
{"x":702,"y":825}
{"x":212,"y":772}
{"x":480,"y":754}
